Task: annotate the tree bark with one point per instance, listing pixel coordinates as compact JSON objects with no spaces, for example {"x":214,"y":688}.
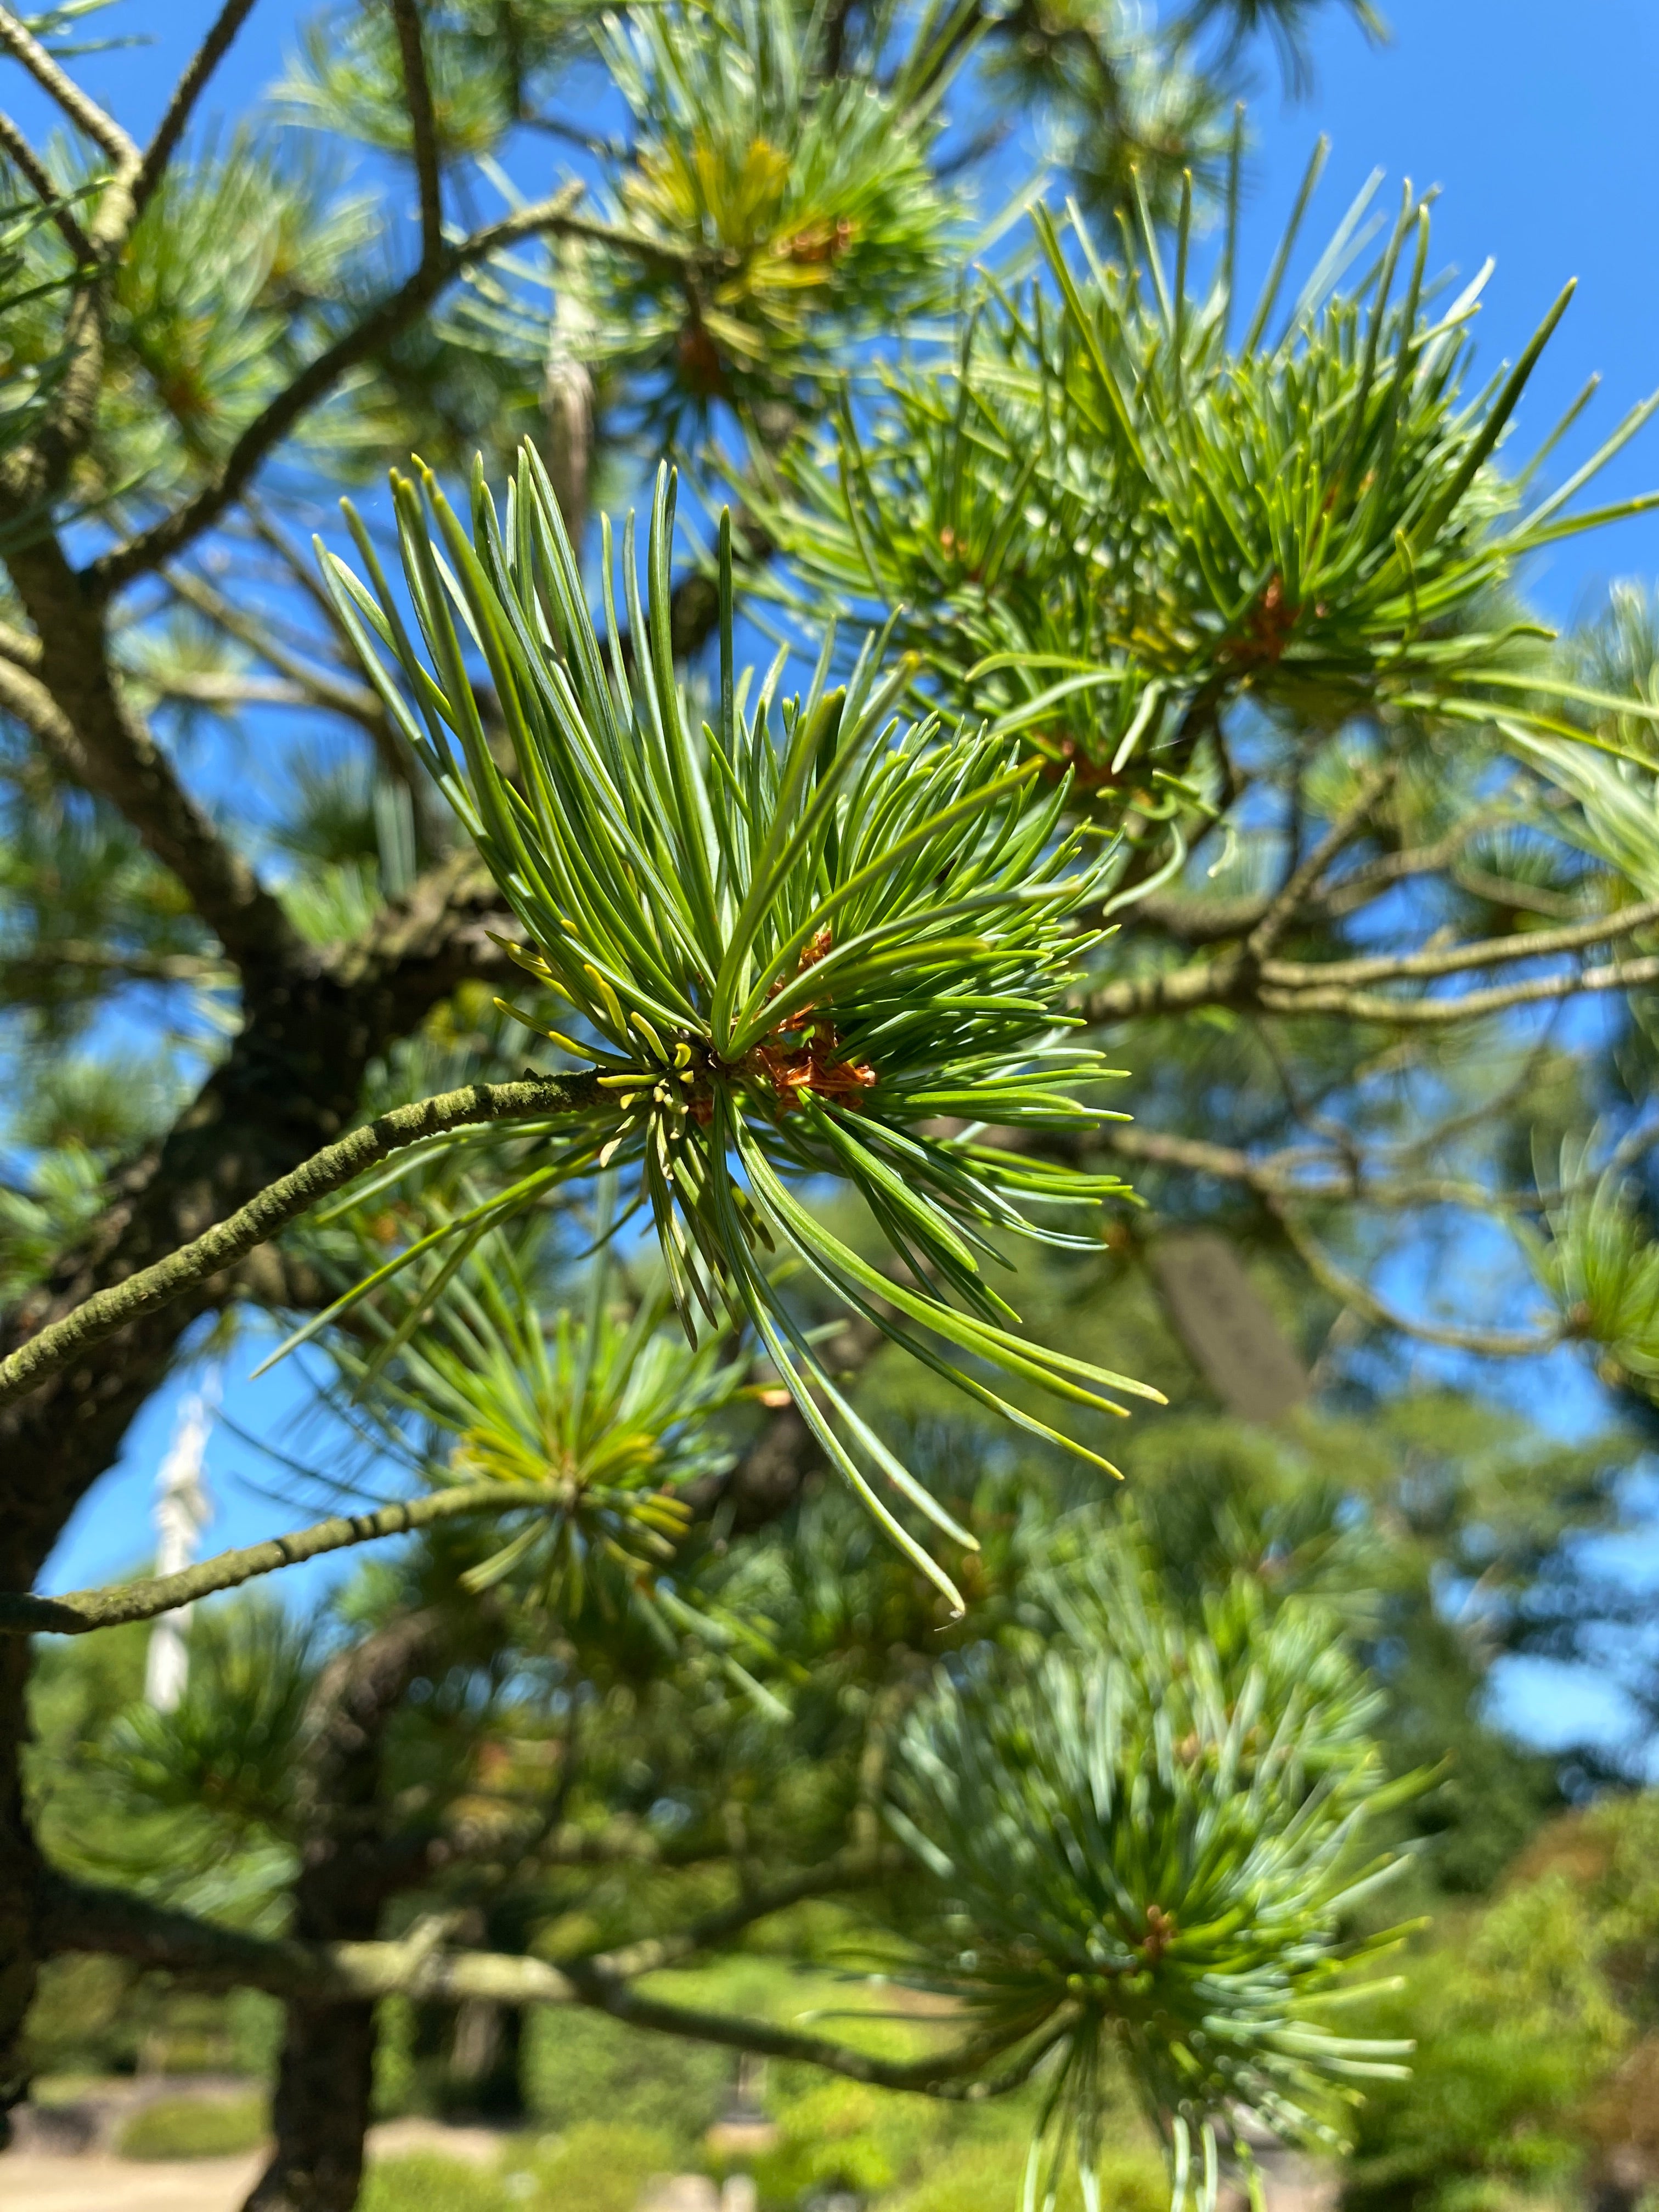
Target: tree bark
{"x":325,"y":2079}
{"x":290,"y":1082}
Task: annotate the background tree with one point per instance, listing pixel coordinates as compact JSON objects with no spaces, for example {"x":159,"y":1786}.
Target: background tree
{"x":1235,"y":585}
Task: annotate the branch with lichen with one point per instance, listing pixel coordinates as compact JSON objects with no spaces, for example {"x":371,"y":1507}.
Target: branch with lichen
{"x":279,"y":1203}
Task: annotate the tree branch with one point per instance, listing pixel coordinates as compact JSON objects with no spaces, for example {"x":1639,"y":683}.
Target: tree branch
{"x":106,"y":749}
{"x":77,"y":1613}
{"x":321,"y":687}
{"x":1491,"y":1343}
{"x":82,"y":111}
{"x":1473,"y":1005}
{"x":174,"y":532}
{"x":48,"y":959}
{"x":424,"y":129}
{"x":85,"y":1916}
{"x":186,"y":93}
{"x":30,"y":167}
{"x":1304,"y":879}
{"x":279,"y":1203}
{"x":1455,"y":959}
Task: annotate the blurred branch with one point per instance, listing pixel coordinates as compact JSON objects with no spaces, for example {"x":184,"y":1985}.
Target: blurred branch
{"x":1306,"y":877}
{"x":423,"y":129}
{"x":84,"y":1916}
{"x":30,"y":167}
{"x":82,"y":111}
{"x":77,"y":1613}
{"x":279,"y":1203}
{"x":1491,"y":1343}
{"x":1485,"y":952}
{"x":1473,"y":1005}
{"x":168,"y":537}
{"x":108,"y":751}
{"x":44,"y":961}
{"x":1300,"y":987}
{"x":320,"y":687}
{"x":186,"y":93}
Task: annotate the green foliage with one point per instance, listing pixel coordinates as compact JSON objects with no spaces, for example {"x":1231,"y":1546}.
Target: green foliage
{"x":799,"y":957}
{"x":228,"y":1748}
{"x":797,"y":210}
{"x":601,"y":2165}
{"x":427,"y":2181}
{"x":1151,"y":1846}
{"x":196,"y":2127}
{"x":613,"y":1414}
{"x":1512,"y":2033}
{"x":489,"y":62}
{"x":578,"y":2067}
{"x":1106,"y":516}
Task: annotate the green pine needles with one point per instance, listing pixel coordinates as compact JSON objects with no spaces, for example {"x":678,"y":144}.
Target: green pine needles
{"x":1146,"y":1846}
{"x":1115,"y":510}
{"x":608,"y":1413}
{"x":802,"y":942}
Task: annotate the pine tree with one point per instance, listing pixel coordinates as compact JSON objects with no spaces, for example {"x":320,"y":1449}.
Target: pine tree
{"x":1165,"y":701}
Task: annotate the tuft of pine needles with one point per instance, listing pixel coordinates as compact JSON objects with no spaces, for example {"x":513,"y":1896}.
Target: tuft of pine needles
{"x":803,"y":941}
{"x":1146,"y":1846}
{"x":1128,"y":499}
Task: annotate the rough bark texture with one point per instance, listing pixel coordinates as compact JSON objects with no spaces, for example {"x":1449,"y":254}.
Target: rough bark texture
{"x":290,"y":1082}
{"x":327,"y":2075}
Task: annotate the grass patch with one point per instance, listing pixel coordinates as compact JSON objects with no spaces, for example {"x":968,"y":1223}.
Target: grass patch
{"x":600,"y":2167}
{"x":196,"y":2127}
{"x":426,"y":2181}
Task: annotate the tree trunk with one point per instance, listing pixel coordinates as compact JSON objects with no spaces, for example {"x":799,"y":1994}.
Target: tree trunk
{"x":326,"y":2082}
{"x":289,"y":1083}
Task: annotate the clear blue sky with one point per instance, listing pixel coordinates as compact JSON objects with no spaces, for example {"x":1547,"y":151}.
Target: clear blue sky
{"x":1538,"y":124}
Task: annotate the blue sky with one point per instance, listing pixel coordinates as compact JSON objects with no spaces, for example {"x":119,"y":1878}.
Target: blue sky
{"x":1536,"y":123}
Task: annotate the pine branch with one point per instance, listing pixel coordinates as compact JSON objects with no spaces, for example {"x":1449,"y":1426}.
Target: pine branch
{"x":186,"y":93}
{"x":84,"y":1916}
{"x":30,"y":167}
{"x":1473,"y":1005}
{"x":279,"y":1203}
{"x":82,"y":110}
{"x":99,"y":743}
{"x":77,"y":1613}
{"x":1297,"y":987}
{"x":51,"y":959}
{"x":169,"y":537}
{"x":320,"y":687}
{"x":1455,"y":959}
{"x":1489,"y":1343}
{"x":424,"y":129}
{"x":1305,"y":878}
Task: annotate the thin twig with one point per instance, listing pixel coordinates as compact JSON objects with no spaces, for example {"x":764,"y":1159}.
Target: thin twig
{"x":322,"y":687}
{"x":82,"y":111}
{"x":1473,"y":1005}
{"x":1454,"y":959}
{"x":1304,"y":877}
{"x":186,"y":93}
{"x":279,"y":1203}
{"x":424,"y":129}
{"x":39,"y":178}
{"x":1491,"y":1343}
{"x":77,"y":1613}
